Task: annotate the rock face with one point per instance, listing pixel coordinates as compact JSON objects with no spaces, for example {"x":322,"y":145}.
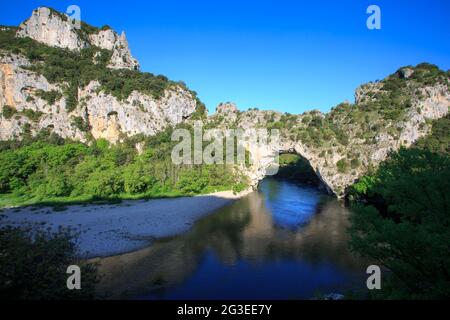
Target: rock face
{"x":51,"y":28}
{"x":363,"y":91}
{"x":106,"y":116}
{"x":57,"y":30}
{"x":121,"y":56}
{"x":227,"y":107}
{"x":405,"y":73}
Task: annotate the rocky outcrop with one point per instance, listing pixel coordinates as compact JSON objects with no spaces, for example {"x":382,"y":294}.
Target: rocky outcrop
{"x":52,"y":28}
{"x":405,"y":73}
{"x":121,"y":56}
{"x":363,"y":93}
{"x":227,"y":107}
{"x":57,"y":30}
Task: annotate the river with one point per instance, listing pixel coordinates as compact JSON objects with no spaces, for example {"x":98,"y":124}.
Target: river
{"x":284,"y":241}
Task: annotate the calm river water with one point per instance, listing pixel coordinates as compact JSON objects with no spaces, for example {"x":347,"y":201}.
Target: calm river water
{"x":285,"y":241}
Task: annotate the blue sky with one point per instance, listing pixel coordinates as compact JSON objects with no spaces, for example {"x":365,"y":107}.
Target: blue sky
{"x":282,"y":55}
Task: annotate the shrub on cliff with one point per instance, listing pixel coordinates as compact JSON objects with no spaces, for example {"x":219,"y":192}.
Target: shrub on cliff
{"x":439,"y":139}
{"x":80,"y":124}
{"x":8,"y":112}
{"x":50,"y":96}
{"x":342,"y":166}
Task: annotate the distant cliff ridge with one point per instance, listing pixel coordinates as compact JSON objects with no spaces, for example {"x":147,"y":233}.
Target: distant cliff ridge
{"x":84,"y":84}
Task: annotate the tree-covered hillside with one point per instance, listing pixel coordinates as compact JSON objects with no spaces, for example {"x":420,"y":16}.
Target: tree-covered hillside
{"x":49,"y":170}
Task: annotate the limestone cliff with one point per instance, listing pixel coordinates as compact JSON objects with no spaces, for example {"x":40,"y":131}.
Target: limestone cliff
{"x":105,"y":115}
{"x":56,"y":29}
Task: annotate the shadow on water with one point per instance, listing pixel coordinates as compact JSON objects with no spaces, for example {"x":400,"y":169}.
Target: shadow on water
{"x":284,"y":241}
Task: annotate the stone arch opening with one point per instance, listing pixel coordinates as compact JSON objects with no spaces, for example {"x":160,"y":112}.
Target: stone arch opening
{"x":296,"y":168}
{"x":265,"y":162}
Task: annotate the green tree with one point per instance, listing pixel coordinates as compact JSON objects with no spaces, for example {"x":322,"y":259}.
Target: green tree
{"x":192,"y":182}
{"x":137,"y":179}
{"x":104,"y":183}
{"x":410,"y":234}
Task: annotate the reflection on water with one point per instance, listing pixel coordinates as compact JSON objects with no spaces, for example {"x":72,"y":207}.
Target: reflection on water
{"x":291,"y":206}
{"x":284,"y":241}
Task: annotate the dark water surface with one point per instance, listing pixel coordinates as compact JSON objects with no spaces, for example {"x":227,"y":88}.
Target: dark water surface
{"x":286,"y":241}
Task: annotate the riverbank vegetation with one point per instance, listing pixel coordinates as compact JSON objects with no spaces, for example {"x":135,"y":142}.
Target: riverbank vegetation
{"x":402,"y":218}
{"x":48,"y":170}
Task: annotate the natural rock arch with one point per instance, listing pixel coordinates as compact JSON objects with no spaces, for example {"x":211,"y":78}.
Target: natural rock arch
{"x":355,"y":146}
{"x":264,"y":159}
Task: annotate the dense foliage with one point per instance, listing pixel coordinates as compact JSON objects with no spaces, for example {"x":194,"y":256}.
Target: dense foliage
{"x":34,"y":265}
{"x":403,"y":218}
{"x":439,"y":139}
{"x":8,"y":111}
{"x":54,"y":170}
